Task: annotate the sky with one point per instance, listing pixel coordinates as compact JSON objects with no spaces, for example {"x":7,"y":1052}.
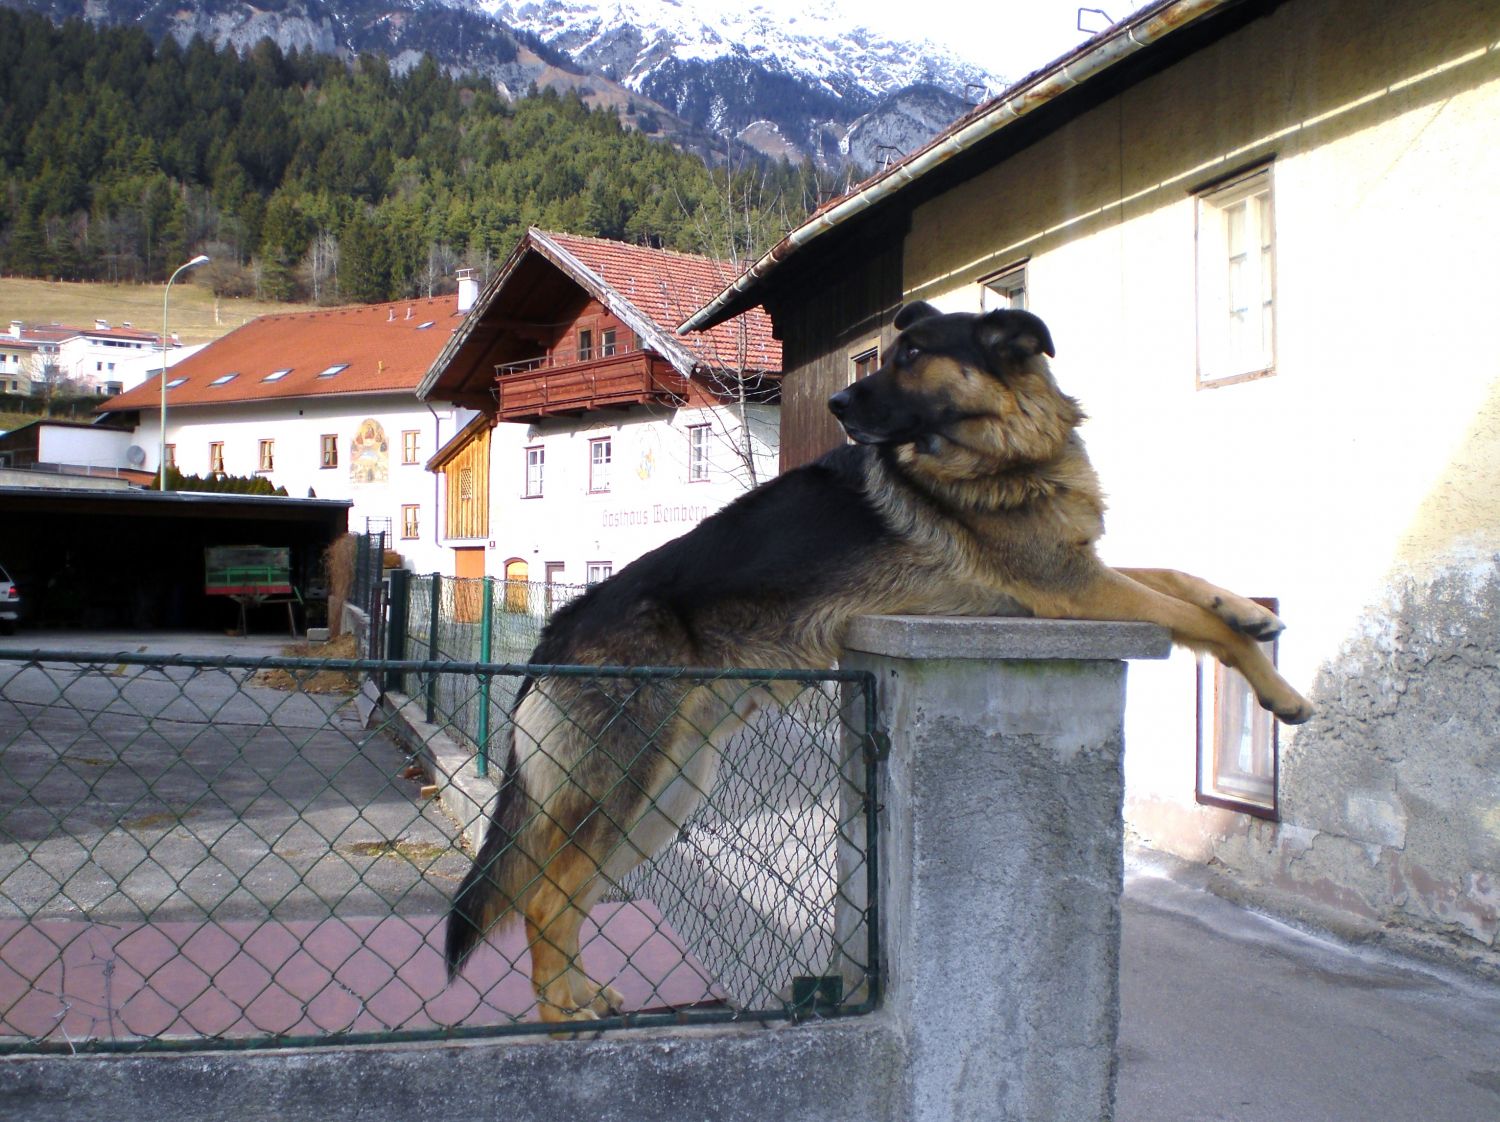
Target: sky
{"x":1006,"y":37}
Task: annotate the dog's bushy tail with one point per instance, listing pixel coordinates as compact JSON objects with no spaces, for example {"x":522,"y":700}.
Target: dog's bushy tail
{"x":486,"y":895}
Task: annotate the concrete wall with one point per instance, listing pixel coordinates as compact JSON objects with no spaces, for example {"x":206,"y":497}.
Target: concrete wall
{"x":1000,"y":850}
{"x":1356,"y":483}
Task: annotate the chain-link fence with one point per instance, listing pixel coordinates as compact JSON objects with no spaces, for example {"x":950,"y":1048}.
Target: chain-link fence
{"x":470,"y":619}
{"x":243,"y":853}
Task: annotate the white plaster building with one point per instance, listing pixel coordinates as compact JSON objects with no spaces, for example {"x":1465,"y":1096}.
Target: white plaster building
{"x":602,"y":434}
{"x":1202,"y":203}
{"x":320,"y":403}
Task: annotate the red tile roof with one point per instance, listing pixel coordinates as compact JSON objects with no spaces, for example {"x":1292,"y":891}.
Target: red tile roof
{"x":387,"y":349}
{"x":669,"y":287}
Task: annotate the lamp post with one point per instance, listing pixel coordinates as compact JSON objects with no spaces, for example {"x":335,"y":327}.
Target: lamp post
{"x":201,"y":259}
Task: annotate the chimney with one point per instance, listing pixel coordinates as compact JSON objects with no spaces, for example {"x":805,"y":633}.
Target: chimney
{"x":390,"y":315}
{"x":468,"y":290}
{"x":408,"y":311}
{"x":15,"y":329}
{"x":101,"y":325}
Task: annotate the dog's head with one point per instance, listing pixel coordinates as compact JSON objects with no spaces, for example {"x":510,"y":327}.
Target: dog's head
{"x":975,"y":382}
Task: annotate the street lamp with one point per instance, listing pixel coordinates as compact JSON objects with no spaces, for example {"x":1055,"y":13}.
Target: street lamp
{"x":201,"y":259}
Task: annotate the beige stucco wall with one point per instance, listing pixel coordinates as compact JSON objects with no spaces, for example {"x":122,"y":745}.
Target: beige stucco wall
{"x":1360,"y":483}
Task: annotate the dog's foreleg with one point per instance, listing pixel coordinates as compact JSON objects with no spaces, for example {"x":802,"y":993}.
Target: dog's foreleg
{"x":1114,"y":595}
{"x":1240,"y":612}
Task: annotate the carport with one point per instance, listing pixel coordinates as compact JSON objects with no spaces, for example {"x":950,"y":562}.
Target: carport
{"x":128,"y":558}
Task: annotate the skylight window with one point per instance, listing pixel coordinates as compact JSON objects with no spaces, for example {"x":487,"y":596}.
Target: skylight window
{"x":277,"y":375}
{"x":425,"y":326}
{"x":175,"y":382}
{"x":332,"y":370}
{"x":224,"y":379}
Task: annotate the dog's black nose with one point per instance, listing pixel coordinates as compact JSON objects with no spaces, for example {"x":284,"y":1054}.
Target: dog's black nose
{"x":838,"y":403}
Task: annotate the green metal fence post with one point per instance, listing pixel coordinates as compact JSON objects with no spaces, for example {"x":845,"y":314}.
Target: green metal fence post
{"x":486,"y":650}
{"x":395,"y":633}
{"x":432,"y":643}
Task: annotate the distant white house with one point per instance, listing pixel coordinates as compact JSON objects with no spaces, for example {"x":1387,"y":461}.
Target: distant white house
{"x":102,"y":359}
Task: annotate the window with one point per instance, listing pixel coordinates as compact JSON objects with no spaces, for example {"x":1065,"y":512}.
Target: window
{"x":1237,"y":742}
{"x":330,"y":454}
{"x":606,"y":342}
{"x":864,"y":363}
{"x":277,"y":375}
{"x":585,"y":345}
{"x":409,"y":446}
{"x":224,"y":379}
{"x":171,"y":455}
{"x":409,"y":525}
{"x":599,"y":571}
{"x":1005,"y":289}
{"x":1236,"y":280}
{"x":175,"y":382}
{"x":267,"y":455}
{"x":600,"y":453}
{"x":330,"y":371}
{"x":697,"y":453}
{"x":216,"y":457}
{"x":536,"y":459}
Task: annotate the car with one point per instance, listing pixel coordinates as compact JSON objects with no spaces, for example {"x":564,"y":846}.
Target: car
{"x":10,"y":603}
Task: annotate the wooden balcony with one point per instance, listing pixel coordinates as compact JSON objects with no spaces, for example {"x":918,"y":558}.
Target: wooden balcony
{"x":531,"y":390}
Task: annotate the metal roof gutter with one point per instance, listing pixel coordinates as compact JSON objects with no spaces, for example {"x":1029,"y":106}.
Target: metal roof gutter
{"x":1109,"y":47}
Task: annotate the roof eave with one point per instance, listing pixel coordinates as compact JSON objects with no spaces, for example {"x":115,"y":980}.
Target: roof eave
{"x":1124,"y":39}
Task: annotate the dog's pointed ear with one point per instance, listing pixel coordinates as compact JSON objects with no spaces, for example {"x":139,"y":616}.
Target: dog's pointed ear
{"x":911,"y":313}
{"x":1010,"y":333}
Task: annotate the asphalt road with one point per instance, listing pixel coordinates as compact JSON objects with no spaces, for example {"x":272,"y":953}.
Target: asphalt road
{"x":1229,"y":1015}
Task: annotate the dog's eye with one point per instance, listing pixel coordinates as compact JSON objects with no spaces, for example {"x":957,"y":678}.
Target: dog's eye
{"x":912,"y":352}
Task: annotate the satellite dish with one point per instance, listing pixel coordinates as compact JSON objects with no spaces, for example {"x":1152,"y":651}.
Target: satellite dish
{"x":135,"y":455}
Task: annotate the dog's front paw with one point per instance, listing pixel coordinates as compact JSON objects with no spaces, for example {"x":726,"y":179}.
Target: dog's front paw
{"x":1290,"y":711}
{"x":1248,"y":618}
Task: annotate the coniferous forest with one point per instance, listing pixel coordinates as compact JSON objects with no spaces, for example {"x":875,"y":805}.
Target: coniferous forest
{"x":307,"y":178}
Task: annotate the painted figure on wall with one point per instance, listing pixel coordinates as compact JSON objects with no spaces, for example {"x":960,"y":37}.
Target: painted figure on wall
{"x":369,"y":453}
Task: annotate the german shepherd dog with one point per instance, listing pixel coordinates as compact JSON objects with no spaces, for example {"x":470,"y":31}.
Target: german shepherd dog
{"x":967,"y":491}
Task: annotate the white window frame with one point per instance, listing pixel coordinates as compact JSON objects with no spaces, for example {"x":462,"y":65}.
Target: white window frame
{"x":1004,"y":288}
{"x":1239,"y":753}
{"x":267,"y":455}
{"x":411,"y":521}
{"x":409,"y":444}
{"x":598,"y":572}
{"x":536,"y":463}
{"x":601,"y":455}
{"x":698,"y":453}
{"x":1236,"y":278}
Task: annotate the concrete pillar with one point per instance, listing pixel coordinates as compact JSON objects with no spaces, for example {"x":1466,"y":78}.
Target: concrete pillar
{"x":1001,"y":860}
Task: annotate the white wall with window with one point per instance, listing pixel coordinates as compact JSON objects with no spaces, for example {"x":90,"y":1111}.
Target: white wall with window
{"x":580,"y":498}
{"x":336,"y":448}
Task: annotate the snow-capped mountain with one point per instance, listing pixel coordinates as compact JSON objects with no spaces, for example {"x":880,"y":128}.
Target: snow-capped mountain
{"x":793,"y":83}
{"x":629,"y":40}
{"x":801,"y":83}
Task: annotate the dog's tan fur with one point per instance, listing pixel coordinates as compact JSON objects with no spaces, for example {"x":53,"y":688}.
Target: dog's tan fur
{"x":970,"y":493}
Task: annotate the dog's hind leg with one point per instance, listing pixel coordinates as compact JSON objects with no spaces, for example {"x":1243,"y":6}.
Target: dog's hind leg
{"x":1240,"y":612}
{"x":554,"y":910}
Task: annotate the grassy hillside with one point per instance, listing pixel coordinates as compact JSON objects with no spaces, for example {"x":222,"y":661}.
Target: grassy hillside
{"x":195,"y":313}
